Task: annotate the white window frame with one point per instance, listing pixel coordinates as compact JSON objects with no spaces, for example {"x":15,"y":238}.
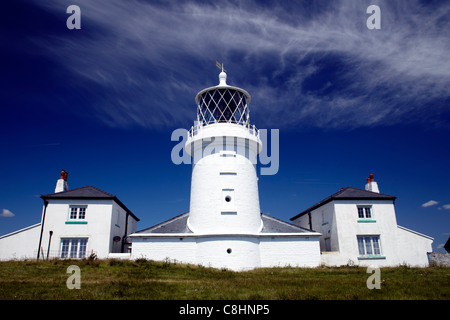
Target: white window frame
{"x":369,"y":245}
{"x":79,"y":213}
{"x":73,"y":248}
{"x":364,"y":212}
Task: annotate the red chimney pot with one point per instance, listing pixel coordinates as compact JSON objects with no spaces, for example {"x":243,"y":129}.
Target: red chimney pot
{"x":64,"y":175}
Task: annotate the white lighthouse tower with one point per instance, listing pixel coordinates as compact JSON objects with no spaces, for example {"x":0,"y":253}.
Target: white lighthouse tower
{"x":224,"y":227}
{"x":224,"y":147}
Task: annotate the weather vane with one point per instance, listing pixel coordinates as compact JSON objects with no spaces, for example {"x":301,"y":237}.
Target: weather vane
{"x":220,"y":66}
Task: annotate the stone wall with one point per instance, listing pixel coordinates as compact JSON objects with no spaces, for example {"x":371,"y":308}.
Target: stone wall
{"x":439,"y":259}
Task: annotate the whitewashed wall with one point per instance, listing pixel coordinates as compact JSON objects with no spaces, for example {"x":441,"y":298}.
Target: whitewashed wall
{"x":218,"y":172}
{"x":412,"y":246}
{"x":247,"y":251}
{"x":21,"y":244}
{"x":212,"y":251}
{"x":180,"y":248}
{"x":339,"y":219}
{"x":290,"y":251}
{"x":97,"y":229}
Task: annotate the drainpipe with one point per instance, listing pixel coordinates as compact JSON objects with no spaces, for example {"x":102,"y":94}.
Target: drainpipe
{"x":49,"y":241}
{"x":126,"y":230}
{"x":42,"y":228}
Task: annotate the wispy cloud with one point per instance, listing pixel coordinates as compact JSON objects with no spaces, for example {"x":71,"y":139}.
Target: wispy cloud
{"x":6,"y":214}
{"x":302,"y":63}
{"x":430,"y":203}
{"x":445,"y":207}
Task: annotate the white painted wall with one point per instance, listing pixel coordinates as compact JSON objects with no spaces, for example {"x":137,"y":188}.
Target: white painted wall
{"x":349,"y":226}
{"x":413,"y":245}
{"x":212,"y":251}
{"x":159,"y":248}
{"x":105,"y":219}
{"x":219,"y":171}
{"x":247,"y":251}
{"x":290,"y":251}
{"x":21,"y":244}
{"x":398,"y":245}
{"x":118,"y":225}
{"x":97,"y":229}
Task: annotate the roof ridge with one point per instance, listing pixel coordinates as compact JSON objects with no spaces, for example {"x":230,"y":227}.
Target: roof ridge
{"x":364,"y":190}
{"x":79,"y":188}
{"x":341,"y":196}
{"x":49,"y":194}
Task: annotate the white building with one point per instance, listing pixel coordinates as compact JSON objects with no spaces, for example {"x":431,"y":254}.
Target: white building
{"x":74,"y":224}
{"x":224,"y":226}
{"x":360,"y":227}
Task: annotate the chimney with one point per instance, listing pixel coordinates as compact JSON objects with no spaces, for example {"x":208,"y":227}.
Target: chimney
{"x":61,"y":184}
{"x":371,"y":185}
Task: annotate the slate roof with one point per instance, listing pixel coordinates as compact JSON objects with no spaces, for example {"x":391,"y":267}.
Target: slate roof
{"x":178,"y":224}
{"x":348,"y":193}
{"x":87,"y":193}
{"x":80,"y":193}
{"x":274,"y":225}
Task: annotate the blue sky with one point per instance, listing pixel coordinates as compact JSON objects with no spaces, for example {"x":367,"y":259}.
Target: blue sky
{"x":103,"y":101}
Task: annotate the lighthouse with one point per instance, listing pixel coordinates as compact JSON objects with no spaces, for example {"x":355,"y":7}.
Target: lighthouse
{"x":224,"y":227}
{"x":224,"y":147}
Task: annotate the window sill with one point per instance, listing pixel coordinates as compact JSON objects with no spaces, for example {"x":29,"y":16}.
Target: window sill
{"x":371,"y":257}
{"x":76,"y":222}
{"x":366,"y":221}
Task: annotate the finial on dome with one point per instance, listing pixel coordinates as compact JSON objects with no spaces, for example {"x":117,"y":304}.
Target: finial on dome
{"x":222,"y":79}
{"x":222,"y":74}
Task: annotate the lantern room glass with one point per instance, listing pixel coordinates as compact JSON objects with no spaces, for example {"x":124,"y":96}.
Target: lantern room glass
{"x":223,"y":105}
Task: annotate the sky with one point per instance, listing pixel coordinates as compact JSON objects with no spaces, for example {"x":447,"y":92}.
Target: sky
{"x":102,"y":101}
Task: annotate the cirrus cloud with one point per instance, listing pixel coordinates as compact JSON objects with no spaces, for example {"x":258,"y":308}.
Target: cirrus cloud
{"x":304,"y":63}
{"x":429,"y":203}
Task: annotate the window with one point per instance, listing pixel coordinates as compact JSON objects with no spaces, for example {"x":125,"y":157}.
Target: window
{"x":369,"y":245}
{"x":364,"y":212}
{"x":73,"y":213}
{"x":77,"y":213}
{"x":82,"y":213}
{"x":73,"y":248}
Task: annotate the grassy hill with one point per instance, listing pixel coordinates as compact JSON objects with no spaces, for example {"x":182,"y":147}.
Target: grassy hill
{"x":149,"y":280}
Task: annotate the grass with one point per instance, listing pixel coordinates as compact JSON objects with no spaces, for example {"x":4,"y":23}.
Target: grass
{"x":150,"y":280}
